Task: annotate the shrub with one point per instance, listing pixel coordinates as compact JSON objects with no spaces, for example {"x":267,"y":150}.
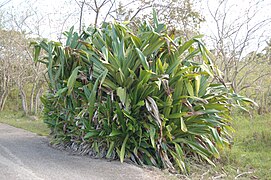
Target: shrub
{"x":139,"y":95}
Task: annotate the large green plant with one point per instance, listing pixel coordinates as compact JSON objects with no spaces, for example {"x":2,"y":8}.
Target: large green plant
{"x":139,"y":95}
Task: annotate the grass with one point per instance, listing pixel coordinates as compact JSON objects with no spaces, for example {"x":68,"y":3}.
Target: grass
{"x":249,"y":157}
{"x":251,"y":151}
{"x":29,"y":123}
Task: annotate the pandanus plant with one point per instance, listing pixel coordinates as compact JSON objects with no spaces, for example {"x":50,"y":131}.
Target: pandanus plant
{"x":144,"y":96}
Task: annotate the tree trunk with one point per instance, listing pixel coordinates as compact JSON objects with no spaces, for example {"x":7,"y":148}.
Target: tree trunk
{"x":3,"y":100}
{"x":32,"y":96}
{"x":5,"y":89}
{"x":24,"y":101}
{"x":37,"y":100}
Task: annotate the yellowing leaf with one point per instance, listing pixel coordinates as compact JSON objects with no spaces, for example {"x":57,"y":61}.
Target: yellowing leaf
{"x":189,"y":88}
{"x":197,"y":84}
{"x":183,"y":126}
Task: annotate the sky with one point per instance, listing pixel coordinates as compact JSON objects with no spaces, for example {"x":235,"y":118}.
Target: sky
{"x":48,"y":18}
{"x":238,"y":11}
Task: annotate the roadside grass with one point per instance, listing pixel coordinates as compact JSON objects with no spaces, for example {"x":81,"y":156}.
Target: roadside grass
{"x":251,"y":151}
{"x":29,"y":123}
{"x":249,"y":157}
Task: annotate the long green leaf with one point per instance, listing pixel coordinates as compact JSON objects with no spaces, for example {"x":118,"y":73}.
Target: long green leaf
{"x":72,"y":79}
{"x":143,"y":59}
{"x":123,"y":147}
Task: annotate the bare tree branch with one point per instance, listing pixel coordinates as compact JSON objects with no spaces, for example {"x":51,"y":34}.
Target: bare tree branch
{"x":138,"y":10}
{"x":4,"y":3}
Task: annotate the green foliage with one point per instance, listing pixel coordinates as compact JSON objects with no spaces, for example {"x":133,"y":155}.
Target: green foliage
{"x":248,"y":158}
{"x":142,"y":95}
{"x":252,"y":143}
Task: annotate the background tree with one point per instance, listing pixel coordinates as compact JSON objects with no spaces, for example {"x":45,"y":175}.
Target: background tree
{"x":256,"y":82}
{"x":238,"y":35}
{"x":180,"y":15}
{"x":19,"y":77}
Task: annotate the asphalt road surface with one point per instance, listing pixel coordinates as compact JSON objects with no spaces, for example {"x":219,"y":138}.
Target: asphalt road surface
{"x":27,"y":156}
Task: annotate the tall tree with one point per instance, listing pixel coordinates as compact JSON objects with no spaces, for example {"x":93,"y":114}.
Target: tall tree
{"x":179,"y":15}
{"x":18,"y":73}
{"x":235,"y":30}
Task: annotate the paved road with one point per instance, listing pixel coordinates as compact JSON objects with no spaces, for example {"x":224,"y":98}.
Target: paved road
{"x":26,"y":156}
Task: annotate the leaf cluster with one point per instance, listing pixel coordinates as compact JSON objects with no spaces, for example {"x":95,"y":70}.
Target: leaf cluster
{"x":143,"y":95}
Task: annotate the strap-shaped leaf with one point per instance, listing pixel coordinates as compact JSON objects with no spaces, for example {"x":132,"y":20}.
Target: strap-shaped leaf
{"x":143,"y":59}
{"x":72,"y":79}
{"x":123,"y":147}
